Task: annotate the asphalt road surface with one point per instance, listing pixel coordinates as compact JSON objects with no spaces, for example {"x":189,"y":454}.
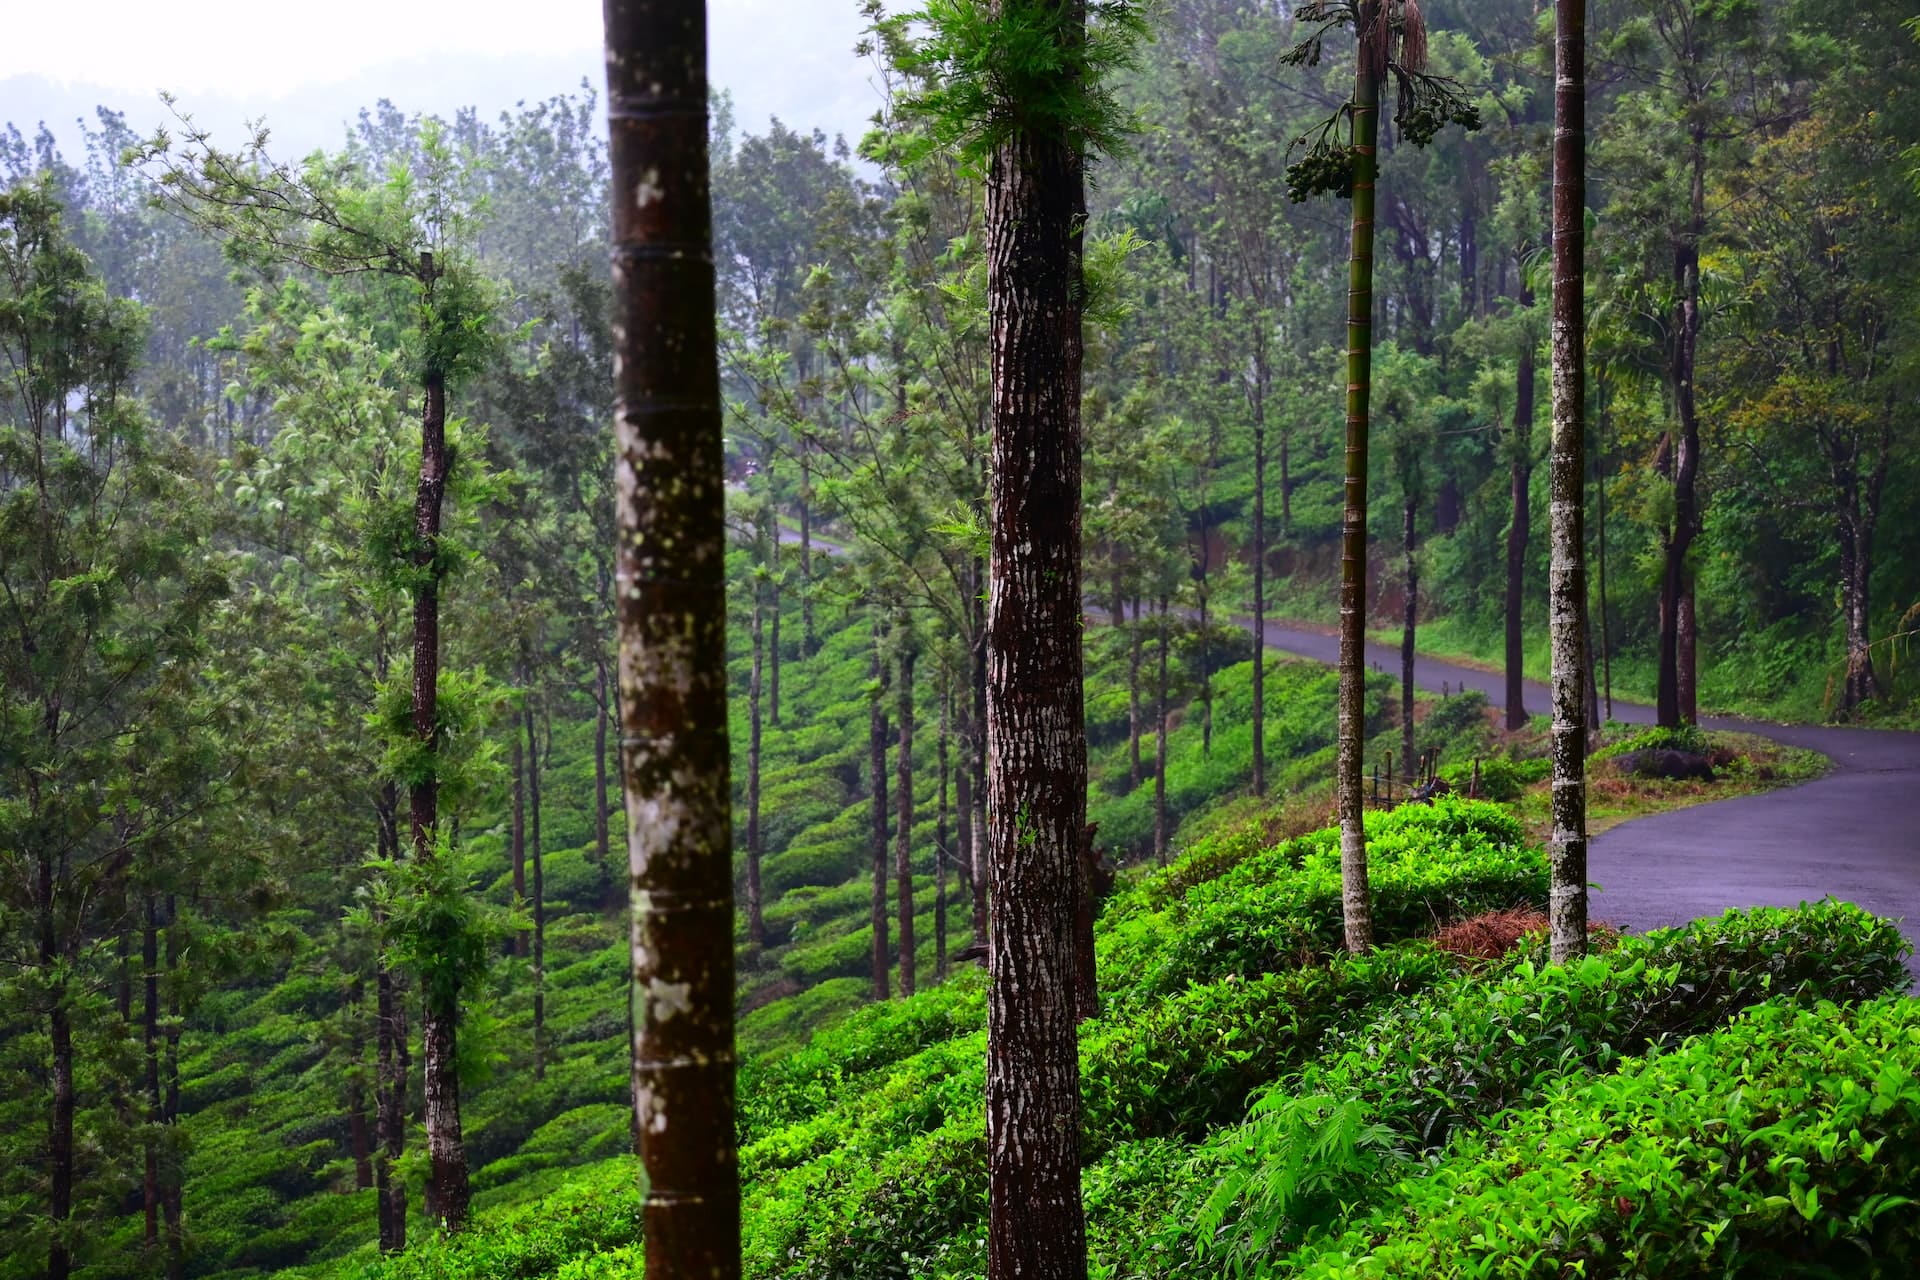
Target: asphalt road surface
{"x":1853,"y":834}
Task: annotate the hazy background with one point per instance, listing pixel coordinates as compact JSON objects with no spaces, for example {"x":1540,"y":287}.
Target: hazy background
{"x":308,"y":69}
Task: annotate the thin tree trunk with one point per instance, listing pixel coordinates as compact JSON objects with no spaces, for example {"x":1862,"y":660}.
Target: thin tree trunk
{"x":1260,"y":565}
{"x":1673,"y":687}
{"x":1035,"y":715}
{"x":517,"y":835}
{"x":390,"y":1065}
{"x":1567,"y":844}
{"x":1687,"y":658}
{"x":982,"y":855}
{"x":1600,"y":546}
{"x":359,"y":1139}
{"x":172,"y":1176}
{"x":1520,"y":484}
{"x":60,"y":1135}
{"x":940,"y":842}
{"x":150,"y":1034}
{"x":670,"y":497}
{"x":534,"y":852}
{"x":1160,"y":833}
{"x":773,"y":653}
{"x":1409,"y":539}
{"x":602,"y":837}
{"x":903,"y":825}
{"x":1355,"y":899}
{"x":963,"y":813}
{"x":877,"y":841}
{"x":806,"y":551}
{"x":439,"y":1032}
{"x":1134,"y":717}
{"x":756,"y":918}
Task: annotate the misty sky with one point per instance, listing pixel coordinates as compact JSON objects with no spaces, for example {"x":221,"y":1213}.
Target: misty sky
{"x":308,"y":68}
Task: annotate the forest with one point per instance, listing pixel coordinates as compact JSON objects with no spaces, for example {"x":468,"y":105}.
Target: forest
{"x":1256,"y":638}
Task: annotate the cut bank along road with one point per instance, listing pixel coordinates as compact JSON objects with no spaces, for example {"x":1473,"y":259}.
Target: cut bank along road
{"x":1854,"y":833}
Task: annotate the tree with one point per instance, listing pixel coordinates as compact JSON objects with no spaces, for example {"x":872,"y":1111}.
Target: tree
{"x":1392,"y":40}
{"x":671,"y":602}
{"x":1020,"y":82}
{"x":1567,"y":851}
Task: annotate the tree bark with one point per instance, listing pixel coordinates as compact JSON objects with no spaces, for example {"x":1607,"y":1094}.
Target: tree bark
{"x":1672,"y":687}
{"x":756,"y":918}
{"x":1687,"y":659}
{"x":1134,"y":716}
{"x":439,"y":1032}
{"x":150,"y":1034}
{"x":390,"y":1058}
{"x":773,"y":649}
{"x":903,"y":825}
{"x":963,"y":810}
{"x":1355,"y":900}
{"x":982,"y":854}
{"x":1035,"y":717}
{"x":878,"y":845}
{"x":1567,"y":598}
{"x":602,"y":838}
{"x":1519,"y":529}
{"x":670,"y":498}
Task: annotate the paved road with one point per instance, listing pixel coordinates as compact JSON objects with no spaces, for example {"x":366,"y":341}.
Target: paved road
{"x":1854,"y":834}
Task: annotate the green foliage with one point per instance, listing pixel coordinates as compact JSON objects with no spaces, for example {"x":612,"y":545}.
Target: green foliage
{"x":1027,"y":70}
{"x":1783,"y":1145}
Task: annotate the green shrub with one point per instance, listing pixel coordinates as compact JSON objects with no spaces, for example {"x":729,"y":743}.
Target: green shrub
{"x":1688,"y":738}
{"x":1471,"y":1048}
{"x":1787,"y":1144}
{"x":1501,"y":780}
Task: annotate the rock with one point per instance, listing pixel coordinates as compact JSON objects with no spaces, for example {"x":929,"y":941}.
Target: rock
{"x":1659,"y":762}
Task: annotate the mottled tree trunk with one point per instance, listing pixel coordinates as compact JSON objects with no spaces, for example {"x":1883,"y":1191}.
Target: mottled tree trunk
{"x":1355,"y":900}
{"x":1035,"y":717}
{"x":878,"y":845}
{"x":670,"y":497}
{"x":756,"y":918}
{"x":1687,"y":659}
{"x":1519,"y":528}
{"x":903,"y":823}
{"x":1567,"y":598}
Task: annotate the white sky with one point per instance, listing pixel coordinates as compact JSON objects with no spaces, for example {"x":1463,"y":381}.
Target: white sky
{"x":792,"y":58}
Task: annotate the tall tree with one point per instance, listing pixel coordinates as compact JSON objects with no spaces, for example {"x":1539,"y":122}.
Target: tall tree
{"x":1391,"y":40}
{"x":1567,"y":601}
{"x":672,"y":614}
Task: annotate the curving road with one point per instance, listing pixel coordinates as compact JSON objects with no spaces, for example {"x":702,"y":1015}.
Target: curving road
{"x":1854,"y":833}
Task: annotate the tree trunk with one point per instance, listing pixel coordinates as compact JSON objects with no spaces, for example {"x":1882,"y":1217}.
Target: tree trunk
{"x":1035,"y":716}
{"x":539,"y":902}
{"x":440,"y":1012}
{"x":671,"y":497}
{"x":1687,"y":658}
{"x":1260,"y":565}
{"x":390,"y":1060}
{"x":359,"y":1140}
{"x":1673,"y":687}
{"x":150,"y":1035}
{"x":940,"y":843}
{"x":982,"y":855}
{"x":60,"y":1135}
{"x":1409,"y":539}
{"x":1520,"y":485}
{"x":1355,"y":900}
{"x":903,"y":824}
{"x":1134,"y":725}
{"x":1160,"y":833}
{"x":1600,"y":549}
{"x":877,"y":841}
{"x":172,"y":1175}
{"x":1567,"y":599}
{"x":517,"y":835}
{"x":806,"y":552}
{"x":963,"y":812}
{"x":756,"y":918}
{"x":773,"y":652}
{"x":602,"y":838}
